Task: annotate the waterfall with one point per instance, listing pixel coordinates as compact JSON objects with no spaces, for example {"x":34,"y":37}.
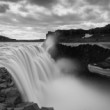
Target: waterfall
{"x":31,"y":68}
{"x":39,"y":80}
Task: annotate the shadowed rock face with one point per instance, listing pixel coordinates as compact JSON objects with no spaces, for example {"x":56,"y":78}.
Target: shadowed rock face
{"x":9,"y":94}
{"x":88,"y":53}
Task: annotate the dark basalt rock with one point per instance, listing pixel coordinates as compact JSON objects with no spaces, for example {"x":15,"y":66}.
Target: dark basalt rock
{"x":10,"y":98}
{"x":3,"y":106}
{"x":49,"y":108}
{"x":9,"y":94}
{"x":3,"y":85}
{"x":2,"y":99}
{"x":89,"y":54}
{"x":31,"y":106}
{"x":99,"y":34}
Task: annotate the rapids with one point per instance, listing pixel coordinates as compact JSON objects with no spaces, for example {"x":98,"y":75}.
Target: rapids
{"x":40,"y":81}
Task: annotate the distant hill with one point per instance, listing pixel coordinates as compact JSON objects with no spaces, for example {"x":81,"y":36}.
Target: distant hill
{"x":6,"y":39}
{"x":99,"y":34}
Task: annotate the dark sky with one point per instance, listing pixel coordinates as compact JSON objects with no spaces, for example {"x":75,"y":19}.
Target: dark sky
{"x":31,"y":19}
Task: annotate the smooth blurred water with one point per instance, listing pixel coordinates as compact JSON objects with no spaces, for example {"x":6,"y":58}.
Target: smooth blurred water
{"x":40,"y":81}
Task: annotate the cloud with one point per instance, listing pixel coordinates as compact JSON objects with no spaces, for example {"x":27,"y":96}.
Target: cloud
{"x":10,"y":0}
{"x":105,"y":4}
{"x":15,"y":10}
{"x":99,"y":2}
{"x":41,"y":16}
{"x":3,"y":8}
{"x":18,"y":32}
{"x":45,"y":3}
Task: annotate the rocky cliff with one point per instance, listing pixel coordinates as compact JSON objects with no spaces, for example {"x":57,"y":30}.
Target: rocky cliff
{"x":99,"y":34}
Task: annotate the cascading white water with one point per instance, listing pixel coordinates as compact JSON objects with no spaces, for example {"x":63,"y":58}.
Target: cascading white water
{"x":31,"y":68}
{"x":40,"y":81}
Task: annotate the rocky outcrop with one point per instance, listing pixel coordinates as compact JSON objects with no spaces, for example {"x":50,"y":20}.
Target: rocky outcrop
{"x":93,"y":53}
{"x":9,"y":94}
{"x":99,"y":34}
{"x":10,"y":98}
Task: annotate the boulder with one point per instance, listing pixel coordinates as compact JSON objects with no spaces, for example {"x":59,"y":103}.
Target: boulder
{"x":3,"y":85}
{"x":27,"y":106}
{"x":2,"y":106}
{"x":2,"y":99}
{"x":13,"y":101}
{"x":47,"y":108}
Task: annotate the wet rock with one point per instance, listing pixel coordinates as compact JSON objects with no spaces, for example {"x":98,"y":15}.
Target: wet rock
{"x":2,"y":80}
{"x":4,"y":92}
{"x":2,"y":106}
{"x":47,"y":108}
{"x":4,"y":76}
{"x":11,"y":84}
{"x":18,"y":108}
{"x":2,"y":95}
{"x":2,"y":99}
{"x":10,"y":108}
{"x":3,"y":70}
{"x":10,"y":98}
{"x":9,"y":94}
{"x":27,"y":106}
{"x":13,"y":97}
{"x":23,"y":104}
{"x":3,"y":85}
{"x":12,"y":92}
{"x":12,"y":101}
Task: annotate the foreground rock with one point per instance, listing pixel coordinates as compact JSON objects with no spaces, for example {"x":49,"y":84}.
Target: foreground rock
{"x":27,"y":106}
{"x":10,"y":98}
{"x":9,"y":94}
{"x":31,"y":106}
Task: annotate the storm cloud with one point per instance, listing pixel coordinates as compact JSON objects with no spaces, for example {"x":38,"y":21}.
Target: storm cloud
{"x":10,"y":0}
{"x":99,"y":2}
{"x":45,"y":3}
{"x":3,"y":8}
{"x":44,"y":15}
